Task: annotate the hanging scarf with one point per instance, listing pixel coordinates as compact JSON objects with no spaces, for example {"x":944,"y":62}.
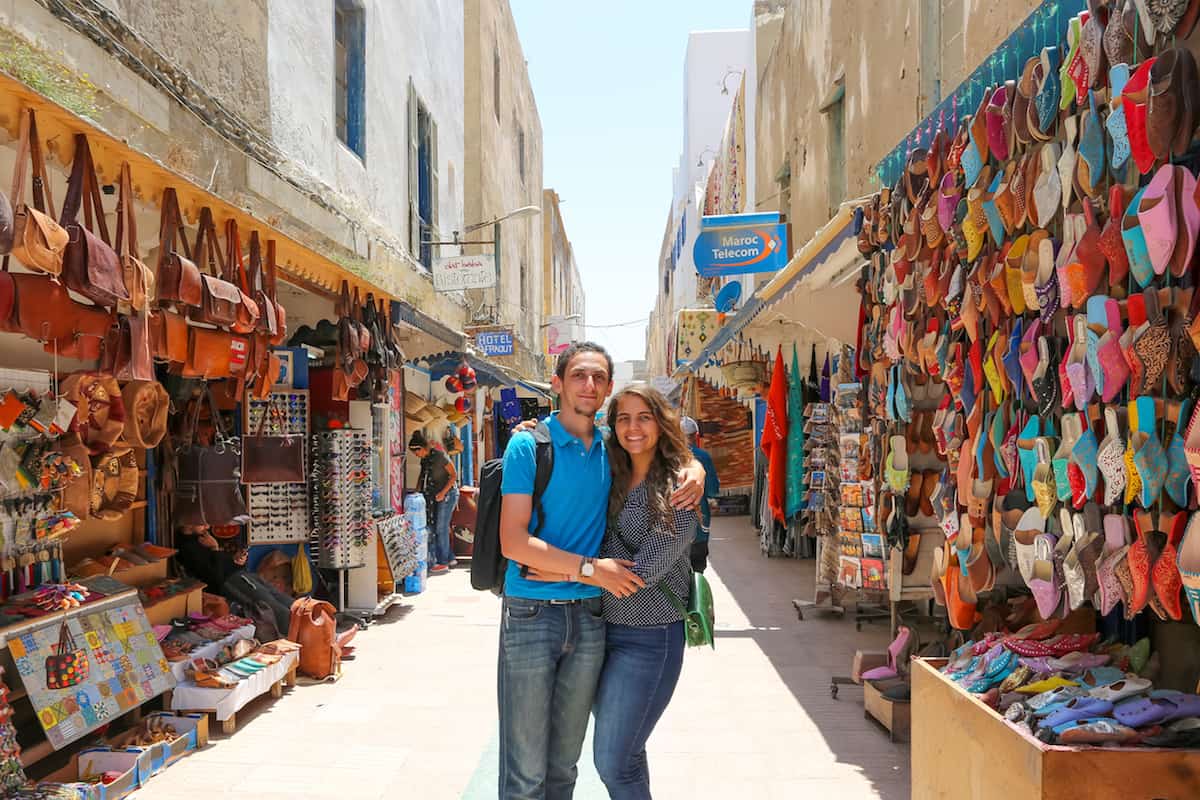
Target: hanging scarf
{"x":826,"y":394}
{"x":795,"y":444}
{"x":774,"y":437}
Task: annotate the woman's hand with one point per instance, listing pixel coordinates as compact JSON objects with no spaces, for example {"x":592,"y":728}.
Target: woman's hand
{"x":524,"y":425}
{"x":690,"y":489}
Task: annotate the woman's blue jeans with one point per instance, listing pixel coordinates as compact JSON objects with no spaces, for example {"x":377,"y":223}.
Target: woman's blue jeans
{"x":443,"y":548}
{"x":640,"y":672}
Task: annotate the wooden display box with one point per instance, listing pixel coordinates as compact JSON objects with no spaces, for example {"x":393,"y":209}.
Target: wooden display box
{"x":180,"y":605}
{"x":962,"y":748}
{"x":896,"y":717}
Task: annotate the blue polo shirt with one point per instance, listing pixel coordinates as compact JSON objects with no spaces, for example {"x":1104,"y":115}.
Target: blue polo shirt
{"x":575,"y":504}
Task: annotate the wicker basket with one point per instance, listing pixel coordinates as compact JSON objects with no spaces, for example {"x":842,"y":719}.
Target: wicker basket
{"x":744,"y":374}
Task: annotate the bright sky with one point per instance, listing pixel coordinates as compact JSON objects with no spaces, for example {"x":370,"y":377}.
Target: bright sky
{"x":608,"y":78}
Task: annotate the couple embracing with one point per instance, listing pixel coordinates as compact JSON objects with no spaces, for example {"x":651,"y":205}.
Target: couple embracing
{"x":592,"y":613}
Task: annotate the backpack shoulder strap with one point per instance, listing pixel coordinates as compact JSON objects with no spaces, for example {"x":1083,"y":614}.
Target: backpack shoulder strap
{"x":544,"y":467}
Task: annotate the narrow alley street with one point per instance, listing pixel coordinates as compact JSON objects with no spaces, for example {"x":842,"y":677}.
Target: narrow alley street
{"x":414,"y":714}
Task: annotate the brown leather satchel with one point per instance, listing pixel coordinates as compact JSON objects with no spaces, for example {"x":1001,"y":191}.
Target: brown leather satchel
{"x":268,"y":318}
{"x":127,"y":350}
{"x":146,"y":407}
{"x":211,"y":353}
{"x":177,"y":278}
{"x":169,"y":338}
{"x":139,"y":279}
{"x":248,"y":311}
{"x":90,"y":266}
{"x":313,"y":625}
{"x":38,"y":241}
{"x":272,"y":459}
{"x":271,"y":287}
{"x":219,"y":299}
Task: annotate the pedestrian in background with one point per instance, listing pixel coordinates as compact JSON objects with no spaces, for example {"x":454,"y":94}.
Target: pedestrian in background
{"x":439,"y":483}
{"x":712,"y":490}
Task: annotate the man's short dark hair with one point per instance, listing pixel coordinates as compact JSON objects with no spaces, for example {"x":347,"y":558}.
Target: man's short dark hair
{"x":418,"y":441}
{"x":564,"y":358}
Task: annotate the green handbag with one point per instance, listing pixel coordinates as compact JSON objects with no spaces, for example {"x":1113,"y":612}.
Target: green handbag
{"x":698,"y":617}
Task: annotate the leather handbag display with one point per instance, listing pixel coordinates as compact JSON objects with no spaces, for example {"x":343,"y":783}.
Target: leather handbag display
{"x":91,"y":266}
{"x":38,"y":241}
{"x":214,"y":354}
{"x":68,"y":666}
{"x":169,"y":338}
{"x":219,"y":299}
{"x":177,"y":278}
{"x":99,"y":409}
{"x":207,"y":489}
{"x":248,"y":311}
{"x":127,"y":349}
{"x":139,"y":278}
{"x":272,"y":459}
{"x":146,"y":407}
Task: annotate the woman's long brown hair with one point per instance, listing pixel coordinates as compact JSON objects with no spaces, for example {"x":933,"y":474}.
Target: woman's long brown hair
{"x":671,"y":454}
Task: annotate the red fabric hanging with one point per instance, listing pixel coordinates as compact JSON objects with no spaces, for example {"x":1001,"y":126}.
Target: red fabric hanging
{"x":774,"y":438}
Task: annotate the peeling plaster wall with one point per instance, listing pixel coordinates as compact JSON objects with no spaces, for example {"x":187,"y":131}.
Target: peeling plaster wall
{"x":493,"y":184}
{"x":881,"y":57}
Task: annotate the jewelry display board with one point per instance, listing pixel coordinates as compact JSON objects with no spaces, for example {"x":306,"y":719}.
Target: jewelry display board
{"x":125,"y":666}
{"x":279,"y":511}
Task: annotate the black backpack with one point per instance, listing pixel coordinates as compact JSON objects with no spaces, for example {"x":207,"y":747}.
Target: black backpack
{"x":488,"y":563}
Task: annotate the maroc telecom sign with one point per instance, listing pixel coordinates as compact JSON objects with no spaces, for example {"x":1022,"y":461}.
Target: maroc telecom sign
{"x":735,"y":244}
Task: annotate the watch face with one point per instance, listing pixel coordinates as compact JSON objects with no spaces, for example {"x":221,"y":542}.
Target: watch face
{"x":588,"y":570}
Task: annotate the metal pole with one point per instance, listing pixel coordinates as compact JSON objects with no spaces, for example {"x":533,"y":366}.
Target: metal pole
{"x":497,"y":252}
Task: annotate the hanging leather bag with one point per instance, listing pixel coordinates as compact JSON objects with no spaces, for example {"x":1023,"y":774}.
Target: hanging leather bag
{"x":248,"y":311}
{"x":169,"y":338}
{"x":99,"y":409}
{"x":177,"y":278}
{"x":364,"y":335}
{"x":207,"y":490}
{"x":127,"y":349}
{"x":395,"y":356}
{"x":139,"y":278}
{"x":38,"y":241}
{"x":114,"y":483}
{"x":219,"y":299}
{"x":272,"y":289}
{"x":377,"y":352}
{"x":268,"y":318}
{"x":214,"y":354}
{"x":272,"y":459}
{"x":77,"y":492}
{"x":6,"y":225}
{"x":90,"y":265}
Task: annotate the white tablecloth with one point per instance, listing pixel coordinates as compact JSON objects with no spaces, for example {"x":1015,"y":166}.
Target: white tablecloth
{"x":227,"y":702}
{"x":211,"y":650}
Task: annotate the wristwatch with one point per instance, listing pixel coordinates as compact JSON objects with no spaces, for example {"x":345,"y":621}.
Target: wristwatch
{"x":587,"y":567}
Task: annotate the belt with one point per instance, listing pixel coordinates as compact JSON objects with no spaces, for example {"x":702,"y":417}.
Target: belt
{"x":569,"y":602}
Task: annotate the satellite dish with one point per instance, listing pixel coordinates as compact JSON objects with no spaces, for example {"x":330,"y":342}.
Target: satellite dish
{"x":728,"y":297}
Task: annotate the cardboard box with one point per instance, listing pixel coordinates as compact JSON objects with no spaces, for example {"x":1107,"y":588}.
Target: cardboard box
{"x":192,"y":730}
{"x":180,"y":605}
{"x":98,"y":760}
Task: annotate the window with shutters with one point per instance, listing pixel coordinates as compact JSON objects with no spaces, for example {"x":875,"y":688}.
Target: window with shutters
{"x":422,"y":179}
{"x":349,"y":74}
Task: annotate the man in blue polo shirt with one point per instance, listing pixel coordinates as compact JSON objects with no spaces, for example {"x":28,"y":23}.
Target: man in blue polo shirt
{"x":552,"y":634}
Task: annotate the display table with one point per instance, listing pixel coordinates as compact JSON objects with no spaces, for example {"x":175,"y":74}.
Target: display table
{"x":210,"y":650}
{"x":962,"y":748}
{"x":225,"y":703}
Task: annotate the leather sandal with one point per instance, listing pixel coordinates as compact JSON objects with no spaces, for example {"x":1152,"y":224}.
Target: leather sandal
{"x":1188,"y":220}
{"x":1148,"y":455}
{"x":1177,"y":481}
{"x":1134,"y":240}
{"x":1157,"y":217}
{"x":1165,"y":577}
{"x":1109,"y":458}
{"x":1136,"y":99}
{"x":1111,"y":243}
{"x":1116,"y":124}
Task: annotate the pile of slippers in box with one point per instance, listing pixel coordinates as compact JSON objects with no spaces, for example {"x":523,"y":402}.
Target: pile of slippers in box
{"x":1033,"y":273}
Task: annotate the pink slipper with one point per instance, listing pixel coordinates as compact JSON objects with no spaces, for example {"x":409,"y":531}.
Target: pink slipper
{"x":1156,"y":216}
{"x":1188,"y":221}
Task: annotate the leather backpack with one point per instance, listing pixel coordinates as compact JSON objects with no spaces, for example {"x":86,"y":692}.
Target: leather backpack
{"x":177,"y":278}
{"x":219,"y":299}
{"x":38,"y":241}
{"x":90,"y":265}
{"x":313,"y":626}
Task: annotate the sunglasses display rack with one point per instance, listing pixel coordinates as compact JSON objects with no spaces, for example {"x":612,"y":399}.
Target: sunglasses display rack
{"x":279,"y":511}
{"x":341,"y":501}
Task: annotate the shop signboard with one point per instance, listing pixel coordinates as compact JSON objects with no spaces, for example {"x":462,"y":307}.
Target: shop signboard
{"x":495,"y":343}
{"x":736,"y":244}
{"x":561,"y":331}
{"x":455,"y":273}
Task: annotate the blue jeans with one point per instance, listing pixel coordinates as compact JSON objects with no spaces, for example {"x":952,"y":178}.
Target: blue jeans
{"x":639,"y":678}
{"x":441,"y":550}
{"x":550,"y":661}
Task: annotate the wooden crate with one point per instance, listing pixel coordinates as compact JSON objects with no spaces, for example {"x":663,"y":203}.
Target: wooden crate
{"x":896,"y":717}
{"x":962,"y":748}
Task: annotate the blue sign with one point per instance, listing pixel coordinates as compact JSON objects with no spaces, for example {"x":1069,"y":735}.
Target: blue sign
{"x":735,"y":244}
{"x":495,"y":343}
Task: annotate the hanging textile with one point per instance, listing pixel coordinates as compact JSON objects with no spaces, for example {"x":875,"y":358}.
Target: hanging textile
{"x":814,"y":382}
{"x":795,"y":442}
{"x":774,"y":437}
{"x":826,"y":394}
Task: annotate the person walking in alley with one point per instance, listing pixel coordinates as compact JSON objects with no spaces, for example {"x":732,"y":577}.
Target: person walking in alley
{"x":552,"y":637}
{"x":644,"y":636}
{"x":712,"y":489}
{"x":439,"y":482}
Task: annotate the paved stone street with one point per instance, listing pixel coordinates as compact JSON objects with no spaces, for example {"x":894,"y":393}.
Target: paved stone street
{"x":414,"y":714}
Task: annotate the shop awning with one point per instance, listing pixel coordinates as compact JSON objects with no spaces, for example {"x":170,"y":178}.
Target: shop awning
{"x":821,"y":263}
{"x":486,"y":373}
{"x":298,"y":264}
{"x":537,"y":388}
{"x":423,"y":335}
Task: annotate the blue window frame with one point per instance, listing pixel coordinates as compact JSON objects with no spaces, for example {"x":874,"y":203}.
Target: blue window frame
{"x":350,"y":74}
